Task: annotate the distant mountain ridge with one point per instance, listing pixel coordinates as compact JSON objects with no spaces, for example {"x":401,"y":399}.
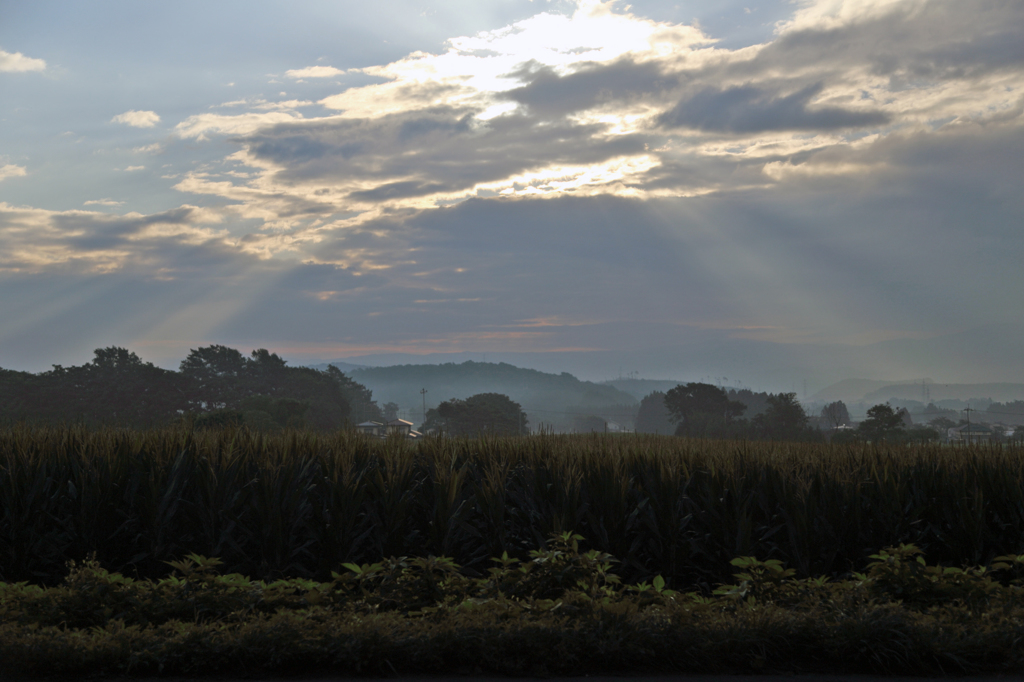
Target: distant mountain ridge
{"x":545,"y":397}
{"x":924,"y":390}
{"x":641,"y":388}
{"x":987,"y":353}
{"x":555,"y":398}
{"x":346,"y":367}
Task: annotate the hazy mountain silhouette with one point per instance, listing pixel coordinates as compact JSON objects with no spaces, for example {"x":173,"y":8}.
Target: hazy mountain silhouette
{"x":545,"y":397}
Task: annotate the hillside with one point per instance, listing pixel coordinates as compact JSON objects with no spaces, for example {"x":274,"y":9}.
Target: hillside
{"x":924,"y":390}
{"x":641,"y":388}
{"x":551,"y":398}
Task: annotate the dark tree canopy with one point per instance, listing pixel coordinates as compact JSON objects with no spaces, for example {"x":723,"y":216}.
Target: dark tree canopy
{"x":1013,"y":409}
{"x":216,"y":385}
{"x":784,"y":419}
{"x":707,"y":411}
{"x":360,"y":398}
{"x":702,"y":410}
{"x":214,"y":376}
{"x":653,"y":416}
{"x":882,"y":423}
{"x":484,"y":413}
{"x":835,"y":414}
{"x":116,"y":387}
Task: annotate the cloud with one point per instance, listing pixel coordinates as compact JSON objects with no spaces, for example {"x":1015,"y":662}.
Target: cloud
{"x":11,"y":171}
{"x":38,"y":240}
{"x":751,"y":109}
{"x":911,"y":43}
{"x":605,"y":102}
{"x":18,"y":63}
{"x":286,"y":104}
{"x":132,"y":169}
{"x":314,"y":72}
{"x":137,"y":119}
{"x":199,"y":125}
{"x":549,"y":93}
{"x":103,"y":202}
{"x":603,"y":167}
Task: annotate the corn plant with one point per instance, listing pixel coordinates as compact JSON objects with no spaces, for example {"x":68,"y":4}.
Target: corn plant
{"x":297,"y":504}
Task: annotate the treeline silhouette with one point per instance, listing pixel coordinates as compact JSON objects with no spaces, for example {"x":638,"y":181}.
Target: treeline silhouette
{"x":700,"y":410}
{"x":214,"y":385}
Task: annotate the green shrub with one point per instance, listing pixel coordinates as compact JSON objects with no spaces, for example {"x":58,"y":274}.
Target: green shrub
{"x":561,"y":613}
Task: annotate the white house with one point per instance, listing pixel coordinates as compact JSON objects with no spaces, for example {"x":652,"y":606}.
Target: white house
{"x":384,"y":429}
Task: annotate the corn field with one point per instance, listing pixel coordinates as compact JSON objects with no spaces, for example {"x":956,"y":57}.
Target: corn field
{"x":300,"y":504}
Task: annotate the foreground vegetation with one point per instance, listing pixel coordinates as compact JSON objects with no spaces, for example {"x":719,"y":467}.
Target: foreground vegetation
{"x":90,"y":520}
{"x":300,"y":504}
{"x":563,"y":611}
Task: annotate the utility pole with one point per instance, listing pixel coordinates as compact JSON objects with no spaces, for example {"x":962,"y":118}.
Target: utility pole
{"x":423,"y":392}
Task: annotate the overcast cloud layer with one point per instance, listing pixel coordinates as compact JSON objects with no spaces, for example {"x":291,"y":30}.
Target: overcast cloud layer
{"x":583,"y":179}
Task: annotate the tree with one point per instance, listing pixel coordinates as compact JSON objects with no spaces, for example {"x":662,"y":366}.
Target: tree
{"x":1000,"y":411}
{"x":116,"y":388}
{"x":219,"y":377}
{"x":905,"y":417}
{"x":328,"y":408}
{"x":18,"y":396}
{"x":264,"y":365}
{"x":835,"y":415}
{"x":653,"y":416}
{"x":882,"y":423}
{"x":213,"y":362}
{"x":269,"y":413}
{"x":113,"y":359}
{"x":702,"y":410}
{"x":221,"y":419}
{"x":213,"y":376}
{"x":390,"y":411}
{"x":784,"y":419}
{"x":942,"y":423}
{"x":362,"y":406}
{"x":491,"y":413}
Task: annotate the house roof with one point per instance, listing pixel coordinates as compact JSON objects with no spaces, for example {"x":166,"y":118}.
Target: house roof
{"x":974,"y":428}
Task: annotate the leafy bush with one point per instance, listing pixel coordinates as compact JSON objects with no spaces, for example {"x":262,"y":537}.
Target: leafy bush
{"x":562,"y":612}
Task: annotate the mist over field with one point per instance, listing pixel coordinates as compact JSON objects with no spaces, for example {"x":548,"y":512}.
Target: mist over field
{"x":775,"y":196}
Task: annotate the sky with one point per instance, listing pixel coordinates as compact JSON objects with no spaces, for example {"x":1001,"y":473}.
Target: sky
{"x":771,"y":193}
